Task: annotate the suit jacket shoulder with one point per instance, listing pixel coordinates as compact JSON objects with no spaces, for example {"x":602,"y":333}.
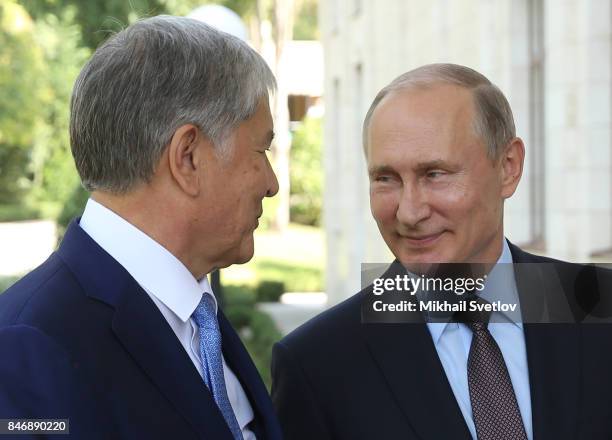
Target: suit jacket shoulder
{"x":46,"y":325}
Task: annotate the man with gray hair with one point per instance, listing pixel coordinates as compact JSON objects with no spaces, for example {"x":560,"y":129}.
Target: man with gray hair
{"x":119,"y":331}
{"x":442,"y":157}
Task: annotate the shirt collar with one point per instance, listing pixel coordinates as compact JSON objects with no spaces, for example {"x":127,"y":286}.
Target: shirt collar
{"x":499,"y":286}
{"x":159,"y":272}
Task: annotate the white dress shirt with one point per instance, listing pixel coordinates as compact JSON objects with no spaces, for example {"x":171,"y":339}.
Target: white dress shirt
{"x":453,"y":340}
{"x":171,"y":286}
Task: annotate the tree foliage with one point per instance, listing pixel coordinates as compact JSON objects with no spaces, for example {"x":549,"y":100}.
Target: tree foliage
{"x":43,"y":45}
{"x":97,"y":19}
{"x":39,"y":62}
{"x":21,"y":72}
{"x":307,"y":173}
{"x":54,"y":173}
{"x":306,"y":25}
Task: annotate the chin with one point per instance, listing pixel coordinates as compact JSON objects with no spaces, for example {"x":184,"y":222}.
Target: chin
{"x":243,"y":258}
{"x":423,"y":262}
{"x":246,"y":252}
{"x":429,"y":257}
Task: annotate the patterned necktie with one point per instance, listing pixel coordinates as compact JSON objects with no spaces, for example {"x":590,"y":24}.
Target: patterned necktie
{"x":494,"y":408}
{"x":205,"y":317}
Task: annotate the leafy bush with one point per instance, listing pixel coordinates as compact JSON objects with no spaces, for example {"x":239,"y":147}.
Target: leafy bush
{"x":259,"y":339}
{"x":238,"y":304}
{"x":73,"y":207}
{"x":307,"y":173}
{"x":270,"y":291}
{"x":257,"y":330}
{"x":17,"y":212}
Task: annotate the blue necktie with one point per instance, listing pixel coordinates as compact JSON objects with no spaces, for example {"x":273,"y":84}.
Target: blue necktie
{"x":205,"y":317}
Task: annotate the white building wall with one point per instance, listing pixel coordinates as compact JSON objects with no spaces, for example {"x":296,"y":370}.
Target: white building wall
{"x":367,"y":43}
{"x":578,"y":128}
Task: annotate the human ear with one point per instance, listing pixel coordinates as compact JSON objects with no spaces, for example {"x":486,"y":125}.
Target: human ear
{"x":512,"y":160}
{"x":185,"y":158}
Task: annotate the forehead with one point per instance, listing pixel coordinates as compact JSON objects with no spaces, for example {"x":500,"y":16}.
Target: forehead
{"x":259,"y":124}
{"x":435,"y":123}
{"x":254,"y":132}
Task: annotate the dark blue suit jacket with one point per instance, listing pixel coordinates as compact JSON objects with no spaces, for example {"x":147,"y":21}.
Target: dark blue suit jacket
{"x":385,"y":381}
{"x":80,"y":339}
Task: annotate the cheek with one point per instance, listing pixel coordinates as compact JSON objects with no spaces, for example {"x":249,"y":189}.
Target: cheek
{"x":456,"y":203}
{"x":471,"y":214}
{"x":253,"y":173}
{"x":383,"y":206}
{"x":254,"y":180}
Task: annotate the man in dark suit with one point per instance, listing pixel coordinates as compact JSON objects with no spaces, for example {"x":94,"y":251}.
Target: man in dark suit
{"x":119,"y":330}
{"x":442,"y":157}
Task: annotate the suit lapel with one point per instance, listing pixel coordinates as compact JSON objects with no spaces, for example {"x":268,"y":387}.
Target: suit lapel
{"x":407,"y":358}
{"x":241,"y":364}
{"x":149,"y":339}
{"x":553,"y":352}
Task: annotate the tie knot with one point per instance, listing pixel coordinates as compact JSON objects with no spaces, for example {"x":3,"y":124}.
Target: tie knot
{"x":205,"y":314}
{"x":478,"y":319}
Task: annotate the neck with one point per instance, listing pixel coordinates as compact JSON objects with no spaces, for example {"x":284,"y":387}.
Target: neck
{"x":164,"y":219}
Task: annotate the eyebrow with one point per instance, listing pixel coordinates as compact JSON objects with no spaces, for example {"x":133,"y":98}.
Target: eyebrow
{"x":382,"y":169}
{"x":438,"y":163}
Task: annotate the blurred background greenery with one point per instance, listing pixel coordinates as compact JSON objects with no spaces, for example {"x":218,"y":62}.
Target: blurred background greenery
{"x":43,"y":45}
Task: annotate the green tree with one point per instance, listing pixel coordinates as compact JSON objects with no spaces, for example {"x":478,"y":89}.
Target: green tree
{"x":306,"y":25}
{"x":307,"y":173}
{"x":54,"y":173}
{"x":96,"y":18}
{"x":21,"y":78}
{"x":39,"y":62}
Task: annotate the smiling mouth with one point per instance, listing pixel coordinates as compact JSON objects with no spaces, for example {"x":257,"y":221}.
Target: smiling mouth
{"x":422,"y":240}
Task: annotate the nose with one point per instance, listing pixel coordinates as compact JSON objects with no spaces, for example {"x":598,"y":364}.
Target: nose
{"x":413,"y":206}
{"x":272,"y":182}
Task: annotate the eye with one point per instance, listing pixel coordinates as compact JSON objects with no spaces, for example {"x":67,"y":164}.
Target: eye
{"x":384,"y":179}
{"x":383,"y":176}
{"x":434,"y":174}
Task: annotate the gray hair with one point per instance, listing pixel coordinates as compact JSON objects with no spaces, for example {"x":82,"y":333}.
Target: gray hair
{"x":493,"y":121}
{"x":148,"y":80}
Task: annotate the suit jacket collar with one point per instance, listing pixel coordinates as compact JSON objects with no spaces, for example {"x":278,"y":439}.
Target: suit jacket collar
{"x":148,"y":338}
